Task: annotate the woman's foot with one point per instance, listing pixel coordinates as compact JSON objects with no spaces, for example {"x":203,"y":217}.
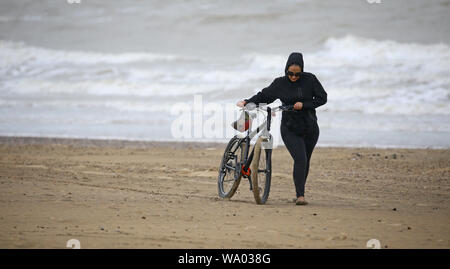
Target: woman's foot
{"x":301,"y":201}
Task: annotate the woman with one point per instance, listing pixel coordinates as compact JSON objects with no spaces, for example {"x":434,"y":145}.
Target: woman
{"x":299,"y":128}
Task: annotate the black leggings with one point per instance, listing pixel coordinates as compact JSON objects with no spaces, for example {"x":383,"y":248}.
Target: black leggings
{"x":300,"y":148}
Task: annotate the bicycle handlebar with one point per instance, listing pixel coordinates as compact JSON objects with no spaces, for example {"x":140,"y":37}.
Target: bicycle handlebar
{"x":285,"y":108}
{"x":268,"y":108}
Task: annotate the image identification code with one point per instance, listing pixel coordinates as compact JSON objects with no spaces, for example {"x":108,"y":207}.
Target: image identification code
{"x":224,"y":258}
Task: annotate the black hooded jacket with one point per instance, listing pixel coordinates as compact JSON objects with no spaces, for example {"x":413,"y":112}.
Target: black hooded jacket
{"x":307,"y":89}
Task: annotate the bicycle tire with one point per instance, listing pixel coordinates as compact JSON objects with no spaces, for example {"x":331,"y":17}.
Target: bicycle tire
{"x":224,"y":170}
{"x":261,"y":172}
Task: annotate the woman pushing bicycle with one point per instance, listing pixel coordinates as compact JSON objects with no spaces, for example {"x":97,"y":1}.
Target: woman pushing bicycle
{"x":299,"y":128}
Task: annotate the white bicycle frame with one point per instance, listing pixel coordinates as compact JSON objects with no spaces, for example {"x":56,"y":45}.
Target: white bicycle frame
{"x":267,"y":139}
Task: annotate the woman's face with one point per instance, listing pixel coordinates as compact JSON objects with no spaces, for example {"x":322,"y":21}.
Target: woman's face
{"x":294,"y":72}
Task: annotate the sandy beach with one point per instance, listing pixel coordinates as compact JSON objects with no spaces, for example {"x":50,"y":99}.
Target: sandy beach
{"x":123,"y":194}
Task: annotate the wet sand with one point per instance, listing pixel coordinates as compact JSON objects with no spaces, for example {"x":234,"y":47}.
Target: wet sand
{"x":122,"y":194}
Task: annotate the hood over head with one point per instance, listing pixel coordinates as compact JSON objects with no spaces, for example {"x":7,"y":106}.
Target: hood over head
{"x":294,"y":58}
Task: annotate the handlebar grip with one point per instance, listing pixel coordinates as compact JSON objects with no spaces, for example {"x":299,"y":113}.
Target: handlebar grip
{"x":287,"y":107}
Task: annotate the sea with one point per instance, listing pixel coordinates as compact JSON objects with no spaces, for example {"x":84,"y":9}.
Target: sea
{"x":174,"y":70}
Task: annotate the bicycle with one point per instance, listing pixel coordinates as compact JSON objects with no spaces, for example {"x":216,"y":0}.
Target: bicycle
{"x":256,"y":167}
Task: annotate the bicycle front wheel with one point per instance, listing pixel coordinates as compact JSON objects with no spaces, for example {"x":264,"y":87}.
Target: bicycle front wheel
{"x":261,"y":172}
{"x":230,"y":168}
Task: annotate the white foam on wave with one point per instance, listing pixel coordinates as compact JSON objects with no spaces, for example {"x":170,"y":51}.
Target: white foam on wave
{"x":27,"y":70}
{"x":125,"y":105}
{"x":372,"y":76}
{"x":14,"y":54}
{"x":30,"y":88}
{"x":360,"y":75}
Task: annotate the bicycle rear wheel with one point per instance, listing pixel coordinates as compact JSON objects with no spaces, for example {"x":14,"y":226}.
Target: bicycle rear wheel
{"x":230,"y":168}
{"x":261,"y":172}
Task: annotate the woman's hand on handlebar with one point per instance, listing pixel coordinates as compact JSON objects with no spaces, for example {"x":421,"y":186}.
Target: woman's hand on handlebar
{"x":241,"y":103}
{"x":298,"y":106}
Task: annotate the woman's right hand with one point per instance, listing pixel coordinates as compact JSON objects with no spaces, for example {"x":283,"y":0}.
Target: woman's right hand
{"x":241,"y":103}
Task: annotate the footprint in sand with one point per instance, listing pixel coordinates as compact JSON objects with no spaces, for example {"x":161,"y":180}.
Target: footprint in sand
{"x":164,"y":177}
{"x":203,"y":173}
{"x":184,"y":171}
{"x":206,"y":173}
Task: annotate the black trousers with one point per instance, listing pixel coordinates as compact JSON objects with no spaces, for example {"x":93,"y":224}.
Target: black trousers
{"x":300,"y":147}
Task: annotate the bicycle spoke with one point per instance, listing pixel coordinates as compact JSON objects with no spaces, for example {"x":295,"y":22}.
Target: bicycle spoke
{"x":229,"y":177}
